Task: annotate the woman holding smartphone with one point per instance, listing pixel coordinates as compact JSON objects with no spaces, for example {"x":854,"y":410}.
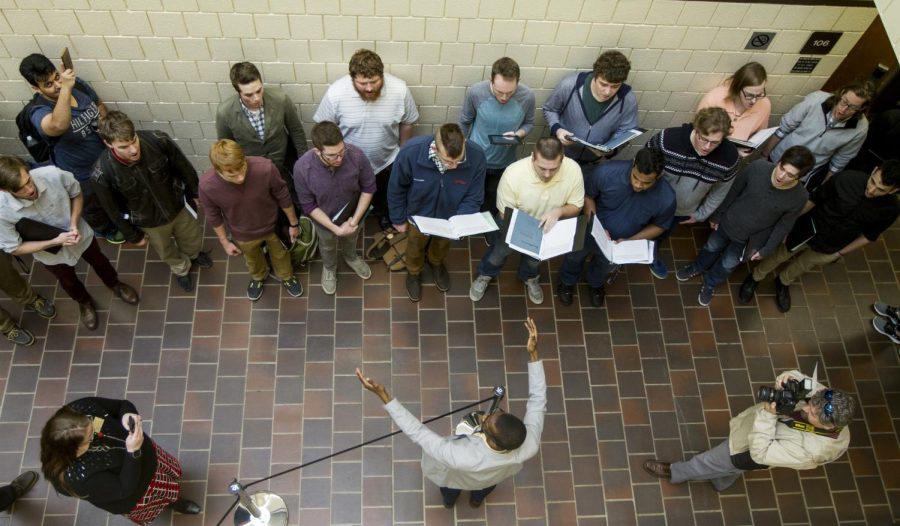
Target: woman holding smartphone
{"x":95,"y":449}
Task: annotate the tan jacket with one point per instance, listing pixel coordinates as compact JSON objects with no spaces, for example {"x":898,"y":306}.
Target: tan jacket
{"x":778,"y":445}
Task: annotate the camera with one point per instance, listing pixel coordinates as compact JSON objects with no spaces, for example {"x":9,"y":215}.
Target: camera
{"x":786,"y":398}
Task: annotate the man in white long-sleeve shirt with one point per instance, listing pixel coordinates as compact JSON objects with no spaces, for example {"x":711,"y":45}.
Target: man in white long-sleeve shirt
{"x":477,"y":462}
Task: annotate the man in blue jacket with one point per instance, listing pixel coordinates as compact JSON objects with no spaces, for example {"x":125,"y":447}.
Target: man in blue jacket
{"x":593,"y":106}
{"x":436,"y":176}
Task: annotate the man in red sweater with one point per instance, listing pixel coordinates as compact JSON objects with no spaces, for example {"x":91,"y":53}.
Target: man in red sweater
{"x":246,"y":193}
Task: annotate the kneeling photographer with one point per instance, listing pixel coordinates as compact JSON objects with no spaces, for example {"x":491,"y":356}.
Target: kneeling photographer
{"x":799,"y":424}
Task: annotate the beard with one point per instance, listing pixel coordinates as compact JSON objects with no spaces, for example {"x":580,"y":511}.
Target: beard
{"x":370,"y":97}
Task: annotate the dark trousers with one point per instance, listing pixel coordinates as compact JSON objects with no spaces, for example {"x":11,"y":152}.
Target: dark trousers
{"x":379,"y":200}
{"x":8,"y":496}
{"x":598,"y":268}
{"x":73,"y":286}
{"x":491,"y":182}
{"x":493,"y":261}
{"x":93,"y":212}
{"x":450,"y":495}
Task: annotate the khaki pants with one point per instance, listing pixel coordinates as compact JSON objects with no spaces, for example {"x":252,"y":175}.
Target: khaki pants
{"x":177,"y":242}
{"x":416,"y":243}
{"x":329,"y":244}
{"x":256,"y":260}
{"x":801,"y":262}
{"x":12,"y":283}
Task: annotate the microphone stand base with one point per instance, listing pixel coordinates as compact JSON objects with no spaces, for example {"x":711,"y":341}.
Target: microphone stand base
{"x":273,"y":511}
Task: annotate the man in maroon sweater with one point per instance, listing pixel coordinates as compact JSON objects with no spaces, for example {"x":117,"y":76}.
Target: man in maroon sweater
{"x":246,"y":193}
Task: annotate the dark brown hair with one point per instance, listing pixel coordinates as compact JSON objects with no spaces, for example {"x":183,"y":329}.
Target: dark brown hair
{"x":366,"y":63}
{"x":11,"y":172}
{"x":243,"y":73}
{"x":326,"y":133}
{"x":864,"y":90}
{"x":116,"y":126}
{"x":750,"y":74}
{"x":60,"y":439}
{"x":612,"y":66}
{"x":548,"y":148}
{"x":451,"y":137}
{"x":800,"y":158}
{"x":712,"y":120}
{"x":506,"y":68}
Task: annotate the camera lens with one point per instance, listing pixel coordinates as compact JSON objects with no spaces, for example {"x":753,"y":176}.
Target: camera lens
{"x":766,"y":394}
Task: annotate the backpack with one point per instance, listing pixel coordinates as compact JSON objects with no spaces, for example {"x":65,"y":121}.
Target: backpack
{"x":390,"y":246}
{"x":38,"y":147}
{"x":304,"y":248}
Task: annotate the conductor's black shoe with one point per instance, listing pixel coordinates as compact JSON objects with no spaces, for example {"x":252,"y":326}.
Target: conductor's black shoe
{"x":748,"y":287}
{"x":658,"y":469}
{"x":564,"y":293}
{"x":23,"y":483}
{"x":782,"y":296}
{"x":597,"y":295}
{"x":186,"y":507}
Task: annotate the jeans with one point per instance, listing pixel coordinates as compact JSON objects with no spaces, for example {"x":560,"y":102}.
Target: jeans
{"x":598,"y":268}
{"x":493,"y":261}
{"x":73,"y":286}
{"x":718,"y":257}
{"x":450,"y":495}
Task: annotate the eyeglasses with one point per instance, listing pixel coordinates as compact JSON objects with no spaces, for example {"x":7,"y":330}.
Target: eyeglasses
{"x":828,"y":408}
{"x":335,"y":156}
{"x":704,"y":140}
{"x":753,"y":96}
{"x":852,"y":107}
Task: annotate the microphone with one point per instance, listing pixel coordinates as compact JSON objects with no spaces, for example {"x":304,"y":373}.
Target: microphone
{"x":499,"y":393}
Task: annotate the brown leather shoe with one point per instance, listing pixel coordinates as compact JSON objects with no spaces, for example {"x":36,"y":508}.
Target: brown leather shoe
{"x":658,"y":469}
{"x":126,"y":292}
{"x":88,"y":315}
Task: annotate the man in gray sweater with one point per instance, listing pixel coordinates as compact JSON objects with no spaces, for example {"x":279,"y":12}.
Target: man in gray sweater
{"x":756,"y":215}
{"x":496,"y":449}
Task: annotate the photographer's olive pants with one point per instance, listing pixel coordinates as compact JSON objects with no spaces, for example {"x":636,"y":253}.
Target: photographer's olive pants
{"x":713,"y":465}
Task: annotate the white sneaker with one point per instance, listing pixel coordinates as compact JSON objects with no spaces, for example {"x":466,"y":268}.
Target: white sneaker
{"x":329,"y":281}
{"x":535,"y":292}
{"x":360,"y":267}
{"x":479,"y":286}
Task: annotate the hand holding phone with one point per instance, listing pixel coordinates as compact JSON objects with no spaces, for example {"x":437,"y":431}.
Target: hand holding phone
{"x":67,"y":60}
{"x":131,"y":424}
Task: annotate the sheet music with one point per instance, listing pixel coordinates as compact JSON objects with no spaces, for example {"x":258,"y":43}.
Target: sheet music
{"x":457,"y":226}
{"x":526,"y":235}
{"x":624,"y":252}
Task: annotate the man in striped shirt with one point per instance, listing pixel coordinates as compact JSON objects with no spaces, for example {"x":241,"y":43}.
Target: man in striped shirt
{"x":376,"y":113}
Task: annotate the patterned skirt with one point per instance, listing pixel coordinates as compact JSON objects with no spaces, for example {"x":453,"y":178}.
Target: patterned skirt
{"x":163,"y":490}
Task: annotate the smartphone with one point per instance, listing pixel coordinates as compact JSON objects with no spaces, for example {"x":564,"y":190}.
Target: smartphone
{"x":131,"y":424}
{"x":67,"y":60}
{"x":505,"y":140}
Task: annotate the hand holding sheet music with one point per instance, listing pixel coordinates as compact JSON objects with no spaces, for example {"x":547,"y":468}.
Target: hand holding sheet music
{"x":457,"y":226}
{"x":614,"y":142}
{"x":623,"y":252}
{"x":526,"y":235}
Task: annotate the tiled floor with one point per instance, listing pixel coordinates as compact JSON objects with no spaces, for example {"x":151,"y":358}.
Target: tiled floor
{"x":244,"y":391}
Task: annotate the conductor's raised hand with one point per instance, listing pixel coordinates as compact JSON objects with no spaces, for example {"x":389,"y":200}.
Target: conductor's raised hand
{"x":375,"y":387}
{"x":532,"y":339}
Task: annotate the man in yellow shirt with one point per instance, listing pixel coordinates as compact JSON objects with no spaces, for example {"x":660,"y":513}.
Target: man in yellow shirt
{"x":547,"y":186}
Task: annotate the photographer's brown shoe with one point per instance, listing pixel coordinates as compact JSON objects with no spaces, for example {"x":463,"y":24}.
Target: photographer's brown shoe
{"x":658,"y":469}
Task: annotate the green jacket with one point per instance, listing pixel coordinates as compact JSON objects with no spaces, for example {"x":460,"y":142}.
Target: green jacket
{"x":282,"y":124}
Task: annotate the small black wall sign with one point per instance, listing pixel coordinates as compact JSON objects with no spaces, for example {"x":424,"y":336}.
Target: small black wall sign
{"x":821,"y":42}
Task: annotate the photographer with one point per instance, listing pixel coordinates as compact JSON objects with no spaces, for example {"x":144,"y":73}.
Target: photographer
{"x":494,"y":452}
{"x":803,"y":433}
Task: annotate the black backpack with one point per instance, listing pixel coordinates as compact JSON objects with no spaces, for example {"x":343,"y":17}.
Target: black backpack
{"x":39,"y":149}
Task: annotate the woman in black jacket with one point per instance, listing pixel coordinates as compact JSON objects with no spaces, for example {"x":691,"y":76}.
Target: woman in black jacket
{"x":88,"y":452}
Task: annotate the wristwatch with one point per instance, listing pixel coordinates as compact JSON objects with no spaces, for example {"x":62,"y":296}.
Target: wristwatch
{"x":136,"y":454}
{"x":295,"y":226}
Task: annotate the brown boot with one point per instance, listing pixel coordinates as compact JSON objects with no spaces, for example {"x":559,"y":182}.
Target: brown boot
{"x":658,"y":469}
{"x":88,"y":315}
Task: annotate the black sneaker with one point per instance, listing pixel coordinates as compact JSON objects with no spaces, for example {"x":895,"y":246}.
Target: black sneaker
{"x":687,"y":272}
{"x":887,"y":328}
{"x":597,"y":296}
{"x":414,"y":286}
{"x":441,"y":277}
{"x":254,"y":289}
{"x":44,"y":308}
{"x":782,"y":296}
{"x":883,"y":309}
{"x":564,"y":293}
{"x":19,"y":336}
{"x":292,"y":286}
{"x":185,"y":282}
{"x":748,"y":287}
{"x":705,"y":296}
{"x":203,"y":260}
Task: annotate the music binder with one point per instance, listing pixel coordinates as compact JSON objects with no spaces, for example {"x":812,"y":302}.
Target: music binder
{"x":31,"y":230}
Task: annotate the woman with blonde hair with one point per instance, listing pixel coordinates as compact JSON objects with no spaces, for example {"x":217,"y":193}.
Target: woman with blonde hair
{"x":95,"y":449}
{"x":743,"y":97}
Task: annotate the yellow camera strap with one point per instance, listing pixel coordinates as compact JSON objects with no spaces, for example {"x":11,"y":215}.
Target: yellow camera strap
{"x":806,"y":427}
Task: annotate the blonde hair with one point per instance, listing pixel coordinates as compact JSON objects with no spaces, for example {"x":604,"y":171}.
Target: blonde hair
{"x":227,"y":156}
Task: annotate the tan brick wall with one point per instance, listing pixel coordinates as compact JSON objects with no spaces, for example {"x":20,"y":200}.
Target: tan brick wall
{"x":165,"y":62}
